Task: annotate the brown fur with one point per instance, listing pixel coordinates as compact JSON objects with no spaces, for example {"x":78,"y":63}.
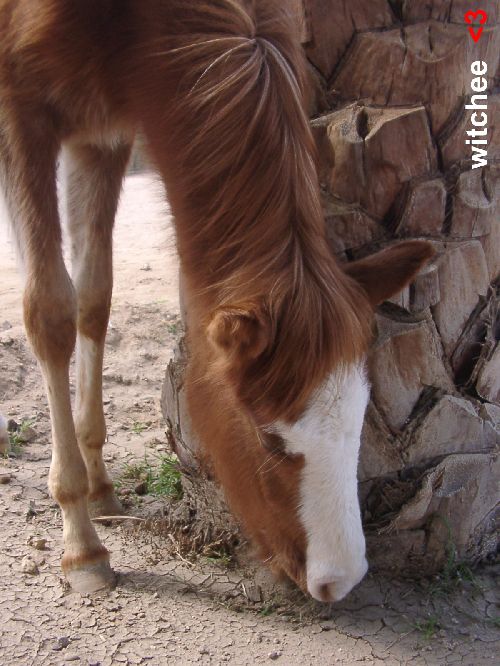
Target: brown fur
{"x":245,"y":188}
{"x":218,"y":89}
{"x":395,"y":265}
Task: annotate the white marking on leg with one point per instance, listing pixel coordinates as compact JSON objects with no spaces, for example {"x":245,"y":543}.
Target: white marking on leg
{"x":68,"y":475}
{"x":89,"y":416}
{"x":328,"y":436}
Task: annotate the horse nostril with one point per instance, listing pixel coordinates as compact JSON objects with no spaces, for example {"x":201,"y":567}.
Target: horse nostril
{"x":335,"y":585}
{"x":329,"y":592}
{"x":324,"y":592}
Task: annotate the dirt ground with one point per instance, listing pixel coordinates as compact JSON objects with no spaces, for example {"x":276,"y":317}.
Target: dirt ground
{"x":167,"y":609}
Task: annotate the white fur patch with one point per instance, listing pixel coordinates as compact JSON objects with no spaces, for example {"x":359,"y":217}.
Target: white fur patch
{"x":328,"y":436}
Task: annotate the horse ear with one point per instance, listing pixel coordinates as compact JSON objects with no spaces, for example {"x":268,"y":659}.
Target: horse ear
{"x":385,"y":273}
{"x":241,"y":333}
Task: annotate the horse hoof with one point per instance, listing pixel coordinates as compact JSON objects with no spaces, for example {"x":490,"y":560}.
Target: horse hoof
{"x":92,"y":578}
{"x":106,"y":504}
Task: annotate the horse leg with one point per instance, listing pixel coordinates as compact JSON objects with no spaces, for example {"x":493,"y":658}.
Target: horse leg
{"x":28,"y":154}
{"x":4,"y":437}
{"x":95,"y":176}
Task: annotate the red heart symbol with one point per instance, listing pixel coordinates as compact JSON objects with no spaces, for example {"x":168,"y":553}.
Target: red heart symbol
{"x":470,"y":17}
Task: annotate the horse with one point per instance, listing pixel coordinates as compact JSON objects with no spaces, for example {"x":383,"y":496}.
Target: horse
{"x":278,"y":329}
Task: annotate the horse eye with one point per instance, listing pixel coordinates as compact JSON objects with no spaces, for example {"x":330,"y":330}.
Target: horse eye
{"x":272,"y":442}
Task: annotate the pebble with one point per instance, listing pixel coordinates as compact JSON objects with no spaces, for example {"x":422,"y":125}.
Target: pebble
{"x":275,"y":655}
{"x":27,"y":435}
{"x":61,"y":643}
{"x":12,"y":426}
{"x":39,"y":544}
{"x":141,"y":488}
{"x":29,"y":566}
{"x":5,"y":479}
{"x":327,"y":626}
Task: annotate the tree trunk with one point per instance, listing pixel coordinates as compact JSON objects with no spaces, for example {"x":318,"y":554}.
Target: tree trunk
{"x":389,"y":82}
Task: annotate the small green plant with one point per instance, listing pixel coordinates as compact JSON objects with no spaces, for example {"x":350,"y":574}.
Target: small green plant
{"x":267,"y":610}
{"x":454,"y":573}
{"x":221,"y":558}
{"x":15,"y":444}
{"x":16,"y":438}
{"x":453,"y":576}
{"x":173,"y":328}
{"x":138,"y":427}
{"x":162,"y":480}
{"x":166,"y":480}
{"x":136,"y":471}
{"x":428,"y":628}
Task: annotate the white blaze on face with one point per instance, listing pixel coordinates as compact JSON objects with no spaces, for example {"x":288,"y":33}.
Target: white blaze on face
{"x":328,"y":436}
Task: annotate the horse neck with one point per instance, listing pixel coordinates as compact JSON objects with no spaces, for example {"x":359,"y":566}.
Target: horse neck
{"x":227,"y":128}
{"x":221,"y":103}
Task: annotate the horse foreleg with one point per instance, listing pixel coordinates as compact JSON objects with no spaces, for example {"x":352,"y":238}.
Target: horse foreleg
{"x":95,"y":175}
{"x":28,"y":153}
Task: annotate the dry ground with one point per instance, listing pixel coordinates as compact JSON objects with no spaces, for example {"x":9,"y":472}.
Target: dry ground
{"x":166,"y":610}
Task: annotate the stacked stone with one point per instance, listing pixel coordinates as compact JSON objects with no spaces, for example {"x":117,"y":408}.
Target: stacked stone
{"x":390,"y":83}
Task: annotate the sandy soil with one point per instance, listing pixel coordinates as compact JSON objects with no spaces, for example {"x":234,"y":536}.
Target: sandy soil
{"x":165,"y":609}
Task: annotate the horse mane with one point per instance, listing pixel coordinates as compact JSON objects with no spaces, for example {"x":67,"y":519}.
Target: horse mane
{"x":246,"y":194}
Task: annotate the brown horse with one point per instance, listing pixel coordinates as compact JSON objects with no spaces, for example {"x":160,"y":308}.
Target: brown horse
{"x":277,"y":329}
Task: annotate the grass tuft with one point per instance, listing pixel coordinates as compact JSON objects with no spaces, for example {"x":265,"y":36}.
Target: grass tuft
{"x":166,"y":482}
{"x":428,"y":628}
{"x":267,"y":610}
{"x":454,"y":574}
{"x":15,"y":437}
{"x":138,"y":427}
{"x":161,"y":480}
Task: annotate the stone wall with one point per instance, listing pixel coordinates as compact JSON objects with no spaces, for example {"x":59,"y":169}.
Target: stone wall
{"x":389,"y":84}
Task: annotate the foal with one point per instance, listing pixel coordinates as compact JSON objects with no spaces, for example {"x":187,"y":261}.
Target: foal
{"x":277,"y":330}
